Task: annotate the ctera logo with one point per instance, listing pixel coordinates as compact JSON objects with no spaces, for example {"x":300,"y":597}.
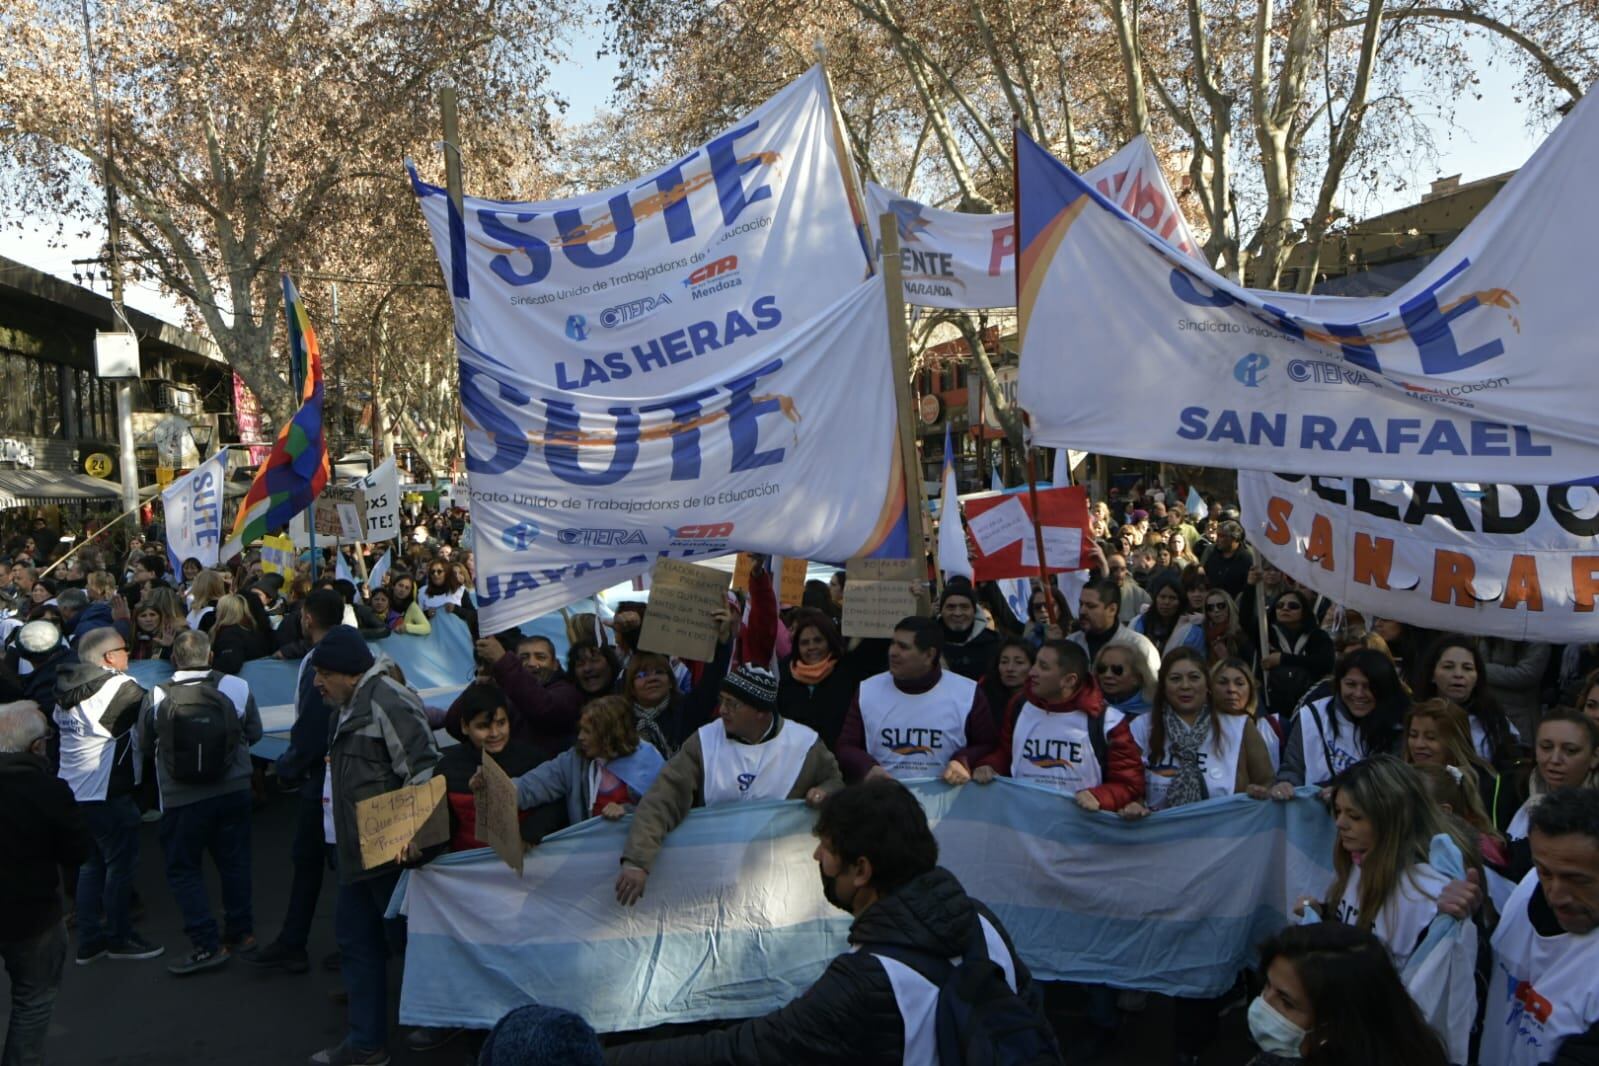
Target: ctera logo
{"x":600,"y":538}
{"x":577,"y":327}
{"x":518,"y":537}
{"x":633,"y":310}
{"x":1251,"y":369}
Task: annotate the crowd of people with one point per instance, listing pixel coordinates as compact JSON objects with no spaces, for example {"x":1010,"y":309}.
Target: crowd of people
{"x":1183,"y":671}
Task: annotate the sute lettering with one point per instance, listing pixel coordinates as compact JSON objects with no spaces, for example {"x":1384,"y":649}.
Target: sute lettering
{"x":912,"y":740}
{"x":1052,"y":753}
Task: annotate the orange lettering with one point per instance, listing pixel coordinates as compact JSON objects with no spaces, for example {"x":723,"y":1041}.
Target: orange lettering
{"x":1374,"y":559}
{"x":1584,"y":581}
{"x":1451,"y":579}
{"x":1277,"y":512}
{"x":1320,"y":548}
{"x":1522,"y":586}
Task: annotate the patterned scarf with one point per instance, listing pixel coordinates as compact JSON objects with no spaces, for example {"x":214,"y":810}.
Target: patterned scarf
{"x":1184,"y":743}
{"x":649,"y":728}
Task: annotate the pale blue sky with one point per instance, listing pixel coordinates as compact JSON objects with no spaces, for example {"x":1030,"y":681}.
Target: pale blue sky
{"x":1490,"y":136}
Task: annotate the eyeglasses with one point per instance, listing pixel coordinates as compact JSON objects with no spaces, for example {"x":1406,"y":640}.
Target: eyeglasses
{"x":1113,"y":669}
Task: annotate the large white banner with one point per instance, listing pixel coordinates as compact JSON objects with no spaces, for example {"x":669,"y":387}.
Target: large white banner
{"x":382,"y":490}
{"x":647,"y":329}
{"x":1479,"y":368}
{"x":192,"y":506}
{"x":957,"y":260}
{"x":1513,"y":561}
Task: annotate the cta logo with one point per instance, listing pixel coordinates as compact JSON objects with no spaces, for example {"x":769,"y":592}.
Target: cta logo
{"x":633,"y":310}
{"x":702,"y":535}
{"x":717,"y":276}
{"x":600,"y":538}
{"x":577,"y":327}
{"x":518,"y":537}
{"x":1250,"y":371}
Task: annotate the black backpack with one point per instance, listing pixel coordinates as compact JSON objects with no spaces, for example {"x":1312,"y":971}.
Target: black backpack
{"x":198,"y":730}
{"x":979,"y":1020}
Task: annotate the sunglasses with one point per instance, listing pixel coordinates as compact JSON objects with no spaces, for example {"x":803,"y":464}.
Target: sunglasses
{"x":1290,"y":605}
{"x":1219,"y":608}
{"x":1113,"y":669}
{"x":1037,"y":605}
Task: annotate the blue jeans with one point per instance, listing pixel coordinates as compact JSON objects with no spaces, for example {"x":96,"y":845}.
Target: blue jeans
{"x":310,"y":861}
{"x":219,"y":825}
{"x":105,"y":881}
{"x":365,"y":940}
{"x":34,"y":967}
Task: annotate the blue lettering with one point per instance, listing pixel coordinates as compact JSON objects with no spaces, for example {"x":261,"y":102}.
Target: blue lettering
{"x":574,"y":232}
{"x":1363,"y":435}
{"x":616,"y":362}
{"x":593,"y":374}
{"x":648,"y":354}
{"x":742,"y":415}
{"x":686,"y":440}
{"x":737,"y":326}
{"x":674,"y":197}
{"x":1317,"y":432}
{"x":1184,"y":286}
{"x":1443,"y":437}
{"x":1429,"y":328}
{"x":1402,"y":431}
{"x":1489,"y":438}
{"x":562,"y":426}
{"x":537,"y":252}
{"x":1192,"y":420}
{"x":1362,"y":355}
{"x":702,"y":335}
{"x":510,"y":445}
{"x":676,"y":345}
{"x":562,"y":382}
{"x":1273,"y":429}
{"x":1525,"y":446}
{"x":767,"y":316}
{"x":1227,"y":427}
{"x":728,"y":170}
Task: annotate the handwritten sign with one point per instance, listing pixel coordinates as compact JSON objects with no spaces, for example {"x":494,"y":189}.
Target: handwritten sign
{"x":741,"y":571}
{"x":391,"y":821}
{"x":791,"y":588}
{"x":497,"y":823}
{"x":683,"y":600}
{"x":877,"y":595}
{"x":341,"y":512}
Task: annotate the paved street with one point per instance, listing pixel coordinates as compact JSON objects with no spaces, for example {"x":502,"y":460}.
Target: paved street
{"x":136,"y":1014}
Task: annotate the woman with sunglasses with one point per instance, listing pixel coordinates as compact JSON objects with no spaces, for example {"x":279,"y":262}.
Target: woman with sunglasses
{"x":444,"y":592}
{"x":1224,"y":633}
{"x":1039,"y":628}
{"x":1298,"y":653}
{"x":1125,"y":679}
{"x":1364,"y":717}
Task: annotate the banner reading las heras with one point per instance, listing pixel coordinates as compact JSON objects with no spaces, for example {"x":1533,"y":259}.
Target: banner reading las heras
{"x":622,"y":316}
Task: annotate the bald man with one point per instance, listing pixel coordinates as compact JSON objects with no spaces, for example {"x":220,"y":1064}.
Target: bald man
{"x":41,"y":830}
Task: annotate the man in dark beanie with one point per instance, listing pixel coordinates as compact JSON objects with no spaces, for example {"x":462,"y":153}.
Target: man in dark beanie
{"x":749,"y":753}
{"x":378,"y":741}
{"x":968,"y":642}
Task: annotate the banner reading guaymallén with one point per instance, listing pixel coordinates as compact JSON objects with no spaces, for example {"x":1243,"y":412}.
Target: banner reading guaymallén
{"x":637,"y":316}
{"x":958,"y":260}
{"x":1479,"y":368}
{"x":1515,"y":561}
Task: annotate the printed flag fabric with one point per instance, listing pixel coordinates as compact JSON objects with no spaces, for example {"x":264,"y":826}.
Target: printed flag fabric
{"x":192,"y":506}
{"x":734,"y":923}
{"x":1477,"y":369}
{"x":952,"y":555}
{"x":297,"y":469}
{"x":958,"y":260}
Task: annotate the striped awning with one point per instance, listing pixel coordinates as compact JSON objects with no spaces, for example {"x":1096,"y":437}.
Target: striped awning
{"x":25,"y":488}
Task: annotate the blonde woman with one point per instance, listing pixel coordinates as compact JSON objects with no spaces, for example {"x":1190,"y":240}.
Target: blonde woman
{"x":209,"y":586}
{"x":237,"y":637}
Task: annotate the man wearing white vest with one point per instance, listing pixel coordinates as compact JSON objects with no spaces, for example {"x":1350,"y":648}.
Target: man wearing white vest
{"x":1543,"y":997}
{"x":749,"y":753}
{"x":916,"y":720}
{"x":1060,"y":733}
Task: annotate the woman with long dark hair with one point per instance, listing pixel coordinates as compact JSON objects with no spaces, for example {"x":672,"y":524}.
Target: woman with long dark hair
{"x":1298,"y":652}
{"x":1333,"y":998}
{"x":1363,"y":717}
{"x":593,"y":668}
{"x":1454,"y":669}
{"x":818,"y":679}
{"x":1164,"y":624}
{"x":1006,"y":675}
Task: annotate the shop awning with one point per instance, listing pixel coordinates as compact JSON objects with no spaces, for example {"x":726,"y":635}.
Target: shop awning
{"x":25,"y":488}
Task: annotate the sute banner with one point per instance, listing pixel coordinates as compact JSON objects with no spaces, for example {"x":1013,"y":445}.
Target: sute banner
{"x":958,"y":260}
{"x":631,"y":382}
{"x":192,"y":506}
{"x":1513,"y":561}
{"x":1003,"y":544}
{"x":1478,"y":368}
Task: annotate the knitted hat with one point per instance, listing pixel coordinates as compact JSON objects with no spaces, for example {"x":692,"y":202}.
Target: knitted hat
{"x":754,"y":686}
{"x":959,"y":585}
{"x":343,"y":651}
{"x":535,"y":1035}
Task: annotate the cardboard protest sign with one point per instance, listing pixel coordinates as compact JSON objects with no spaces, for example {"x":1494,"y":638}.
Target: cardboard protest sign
{"x":791,"y":586}
{"x":498,"y":825}
{"x":392,"y":820}
{"x":741,"y":571}
{"x":340,"y":512}
{"x":1001,"y":527}
{"x":878,"y":595}
{"x":683,"y":601}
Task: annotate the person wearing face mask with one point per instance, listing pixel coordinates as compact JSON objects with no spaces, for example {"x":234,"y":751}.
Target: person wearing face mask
{"x":1363,"y":717}
{"x":543,"y":700}
{"x":1566,"y":750}
{"x":818,"y":680}
{"x":968,"y":640}
{"x":748,"y":755}
{"x":1333,"y":998}
{"x":1543,"y":1000}
{"x":873,"y":1006}
{"x":1454,"y":668}
{"x":1124,"y":678}
{"x":1100,"y":626}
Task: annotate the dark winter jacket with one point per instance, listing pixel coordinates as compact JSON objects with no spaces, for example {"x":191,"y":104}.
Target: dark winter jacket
{"x":96,"y":712}
{"x":41,"y":830}
{"x":970,"y":654}
{"x":233,"y":646}
{"x":1307,"y":657}
{"x":96,"y":615}
{"x":849,"y":1016}
{"x":543,"y":713}
{"x":305,"y":762}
